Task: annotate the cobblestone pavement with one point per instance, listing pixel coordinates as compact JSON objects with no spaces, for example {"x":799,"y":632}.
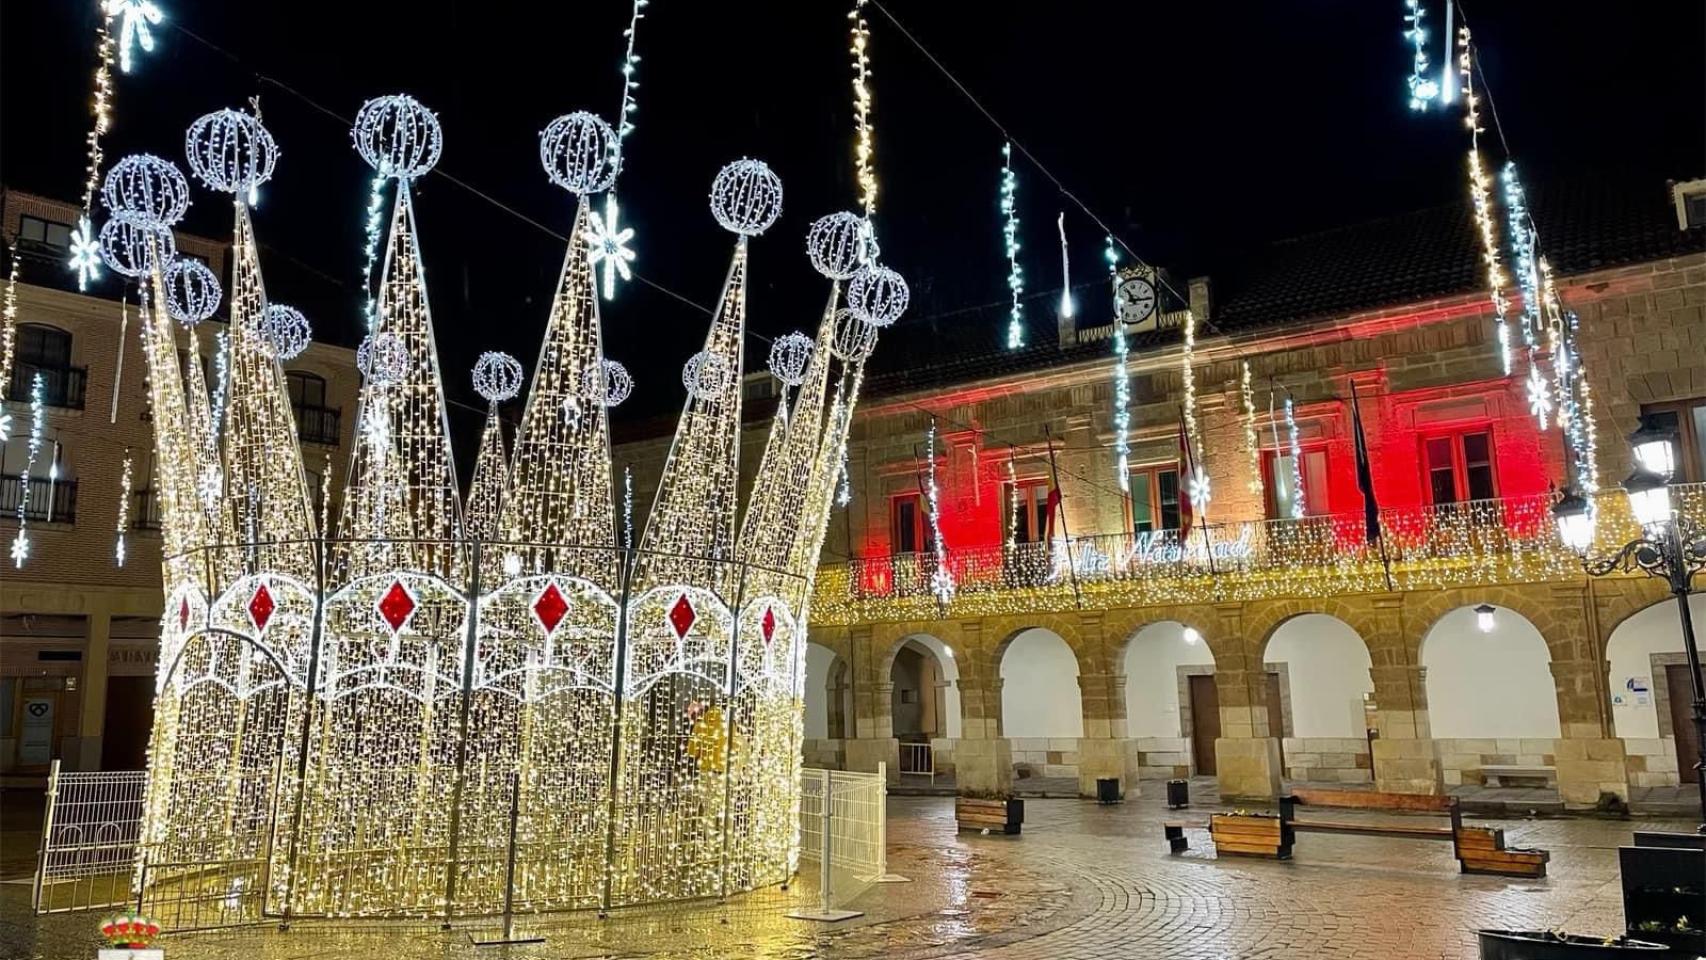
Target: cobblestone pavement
{"x":1083,"y":881}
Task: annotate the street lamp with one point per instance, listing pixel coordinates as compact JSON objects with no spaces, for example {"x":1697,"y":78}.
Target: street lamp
{"x":1484,"y":617}
{"x":1671,"y":548}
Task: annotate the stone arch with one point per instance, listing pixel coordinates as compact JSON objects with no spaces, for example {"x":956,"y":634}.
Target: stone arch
{"x":828,"y":694}
{"x":1038,"y":674}
{"x":1325,"y":672}
{"x":1484,"y":687}
{"x":942,"y":698}
{"x":1157,"y":662}
{"x":1645,"y":652}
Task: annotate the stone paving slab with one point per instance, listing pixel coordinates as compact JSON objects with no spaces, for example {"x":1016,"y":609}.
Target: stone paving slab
{"x":1083,"y":881}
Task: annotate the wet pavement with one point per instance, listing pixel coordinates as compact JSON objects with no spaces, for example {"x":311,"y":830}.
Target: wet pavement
{"x":1082,"y":881}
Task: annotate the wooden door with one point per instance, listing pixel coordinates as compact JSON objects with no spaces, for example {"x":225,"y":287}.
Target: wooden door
{"x":1276,"y":717}
{"x":1205,"y":723}
{"x":1682,"y":720}
{"x":130,"y":719}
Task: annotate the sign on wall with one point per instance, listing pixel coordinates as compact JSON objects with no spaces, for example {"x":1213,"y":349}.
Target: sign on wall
{"x":35,"y":738}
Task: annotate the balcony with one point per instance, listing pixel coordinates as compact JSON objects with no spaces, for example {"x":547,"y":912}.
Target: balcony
{"x":1420,"y":548}
{"x":318,"y":424}
{"x":50,"y":501}
{"x":61,"y":386}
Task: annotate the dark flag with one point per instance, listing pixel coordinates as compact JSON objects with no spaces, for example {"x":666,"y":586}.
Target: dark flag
{"x":1187,"y":470}
{"x":1365,"y":478}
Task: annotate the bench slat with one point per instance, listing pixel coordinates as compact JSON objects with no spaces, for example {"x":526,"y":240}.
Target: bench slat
{"x":1371,"y":800}
{"x":1374,"y":829}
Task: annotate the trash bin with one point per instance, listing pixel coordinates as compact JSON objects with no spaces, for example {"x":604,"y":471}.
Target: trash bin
{"x":1107,"y":790}
{"x":1178,"y":794}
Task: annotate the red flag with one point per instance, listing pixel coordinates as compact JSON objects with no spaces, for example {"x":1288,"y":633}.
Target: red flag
{"x":1187,"y":470}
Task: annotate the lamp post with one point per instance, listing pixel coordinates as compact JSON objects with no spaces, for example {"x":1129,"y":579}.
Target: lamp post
{"x":1671,"y":548}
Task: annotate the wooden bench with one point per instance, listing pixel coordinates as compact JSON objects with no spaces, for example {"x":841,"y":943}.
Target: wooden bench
{"x":1004,"y":816}
{"x":1478,"y":849}
{"x":1548,"y":776}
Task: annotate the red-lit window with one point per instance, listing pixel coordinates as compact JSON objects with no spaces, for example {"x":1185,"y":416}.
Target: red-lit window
{"x":1277,"y":482}
{"x":1155,"y":498}
{"x":1459,"y":466}
{"x":906,"y":523}
{"x":1027,"y":508}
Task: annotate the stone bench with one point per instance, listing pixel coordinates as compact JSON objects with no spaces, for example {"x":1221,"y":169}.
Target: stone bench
{"x":1511,"y":776}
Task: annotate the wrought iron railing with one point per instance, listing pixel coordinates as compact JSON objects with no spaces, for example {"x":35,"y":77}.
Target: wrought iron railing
{"x":51,"y":501}
{"x":62,"y":387}
{"x":318,"y":424}
{"x":1509,"y":540}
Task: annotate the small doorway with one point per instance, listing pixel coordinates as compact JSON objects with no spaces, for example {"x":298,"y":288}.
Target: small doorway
{"x":1205,"y":722}
{"x":129,"y":721}
{"x":1682,"y":719}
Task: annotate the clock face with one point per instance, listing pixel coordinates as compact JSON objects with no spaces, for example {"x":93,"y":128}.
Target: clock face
{"x":1137,"y":300}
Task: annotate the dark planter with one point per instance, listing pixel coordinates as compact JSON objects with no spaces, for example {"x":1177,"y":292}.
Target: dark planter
{"x":1545,"y":945}
{"x":1107,"y":790}
{"x":1664,"y":890}
{"x":1178,"y":794}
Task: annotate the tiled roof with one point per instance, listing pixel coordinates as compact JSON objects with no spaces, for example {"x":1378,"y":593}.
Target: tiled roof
{"x":1586,"y":224}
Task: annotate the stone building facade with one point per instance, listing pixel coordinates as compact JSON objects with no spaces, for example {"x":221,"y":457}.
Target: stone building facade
{"x":1084,"y":640}
{"x":79,"y":633}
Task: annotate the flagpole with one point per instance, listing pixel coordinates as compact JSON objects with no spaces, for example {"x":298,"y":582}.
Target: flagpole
{"x":1054,"y":473}
{"x":1365,"y":483}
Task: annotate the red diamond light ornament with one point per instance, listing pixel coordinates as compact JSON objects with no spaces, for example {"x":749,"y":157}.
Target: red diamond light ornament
{"x":261,"y":607}
{"x":550,"y":607}
{"x":183,"y":613}
{"x":768,"y":625}
{"x":681,"y":616}
{"x":396,"y":606}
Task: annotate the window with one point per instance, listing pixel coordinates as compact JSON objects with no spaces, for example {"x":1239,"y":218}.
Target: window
{"x":47,"y":233}
{"x":906,"y":523}
{"x":315,"y":422}
{"x":1459,"y":466}
{"x":316,"y":491}
{"x":46,"y":350}
{"x":1690,"y":200}
{"x":1030,"y":502}
{"x":1277,"y":482}
{"x":1687,"y":419}
{"x":1155,"y":498}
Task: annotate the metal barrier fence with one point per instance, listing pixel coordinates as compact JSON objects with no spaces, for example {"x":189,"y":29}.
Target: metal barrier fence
{"x":88,"y":840}
{"x":843,"y":829}
{"x":918,"y":759}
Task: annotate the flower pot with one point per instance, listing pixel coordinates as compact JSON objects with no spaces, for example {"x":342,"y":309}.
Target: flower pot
{"x":1546,"y":945}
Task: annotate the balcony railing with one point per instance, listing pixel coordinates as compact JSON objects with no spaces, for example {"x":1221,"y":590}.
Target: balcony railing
{"x":50,"y":501}
{"x":318,"y":424}
{"x":61,"y":386}
{"x":1462,"y":544}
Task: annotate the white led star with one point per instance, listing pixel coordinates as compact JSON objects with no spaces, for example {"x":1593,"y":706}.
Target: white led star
{"x":210,"y":486}
{"x":5,"y":427}
{"x":135,"y":17}
{"x":20,"y":548}
{"x":607,"y":243}
{"x":1199,"y":489}
{"x":85,"y":253}
{"x":1539,"y":395}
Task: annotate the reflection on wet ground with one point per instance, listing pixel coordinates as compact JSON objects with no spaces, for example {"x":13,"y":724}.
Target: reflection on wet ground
{"x":1082,"y":880}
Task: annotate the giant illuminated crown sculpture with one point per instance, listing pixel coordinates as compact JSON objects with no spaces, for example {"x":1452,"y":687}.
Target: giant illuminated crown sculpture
{"x":349,"y":709}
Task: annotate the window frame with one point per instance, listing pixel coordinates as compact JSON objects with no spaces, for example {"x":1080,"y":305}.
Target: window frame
{"x":1032,"y":494}
{"x":1145,"y":481}
{"x":916,"y":498}
{"x":1690,"y":442}
{"x":1315,"y":502}
{"x":1460,"y":465}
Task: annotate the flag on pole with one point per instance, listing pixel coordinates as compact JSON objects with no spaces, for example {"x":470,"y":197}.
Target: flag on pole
{"x":1365,"y":477}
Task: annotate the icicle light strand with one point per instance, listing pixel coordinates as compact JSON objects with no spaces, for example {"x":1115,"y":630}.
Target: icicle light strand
{"x":1480,"y":192}
{"x":864,"y":152}
{"x":38,"y":416}
{"x":1299,"y":506}
{"x":124,"y":494}
{"x":941,"y":579}
{"x":1009,"y":202}
{"x":1199,"y":489}
{"x":1251,"y":443}
{"x":1122,"y":375}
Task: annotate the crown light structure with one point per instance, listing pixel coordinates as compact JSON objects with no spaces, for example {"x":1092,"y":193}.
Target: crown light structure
{"x":350,"y":705}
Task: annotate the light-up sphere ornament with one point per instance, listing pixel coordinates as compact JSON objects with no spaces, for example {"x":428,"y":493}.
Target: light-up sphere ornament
{"x":397,"y":136}
{"x":746,"y":197}
{"x":383,"y":358}
{"x":230,"y":151}
{"x":878,"y":295}
{"x":852,"y":339}
{"x":497,"y":376}
{"x":192,"y":291}
{"x":837,"y":244}
{"x":578,"y":151}
{"x":707,"y":375}
{"x":789,"y":356}
{"x":130,"y":241}
{"x":145,"y":184}
{"x":609,"y":383}
{"x":284,"y":332}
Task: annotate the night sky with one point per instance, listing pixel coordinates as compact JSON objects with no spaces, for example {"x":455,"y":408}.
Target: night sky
{"x":1194,"y":130}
